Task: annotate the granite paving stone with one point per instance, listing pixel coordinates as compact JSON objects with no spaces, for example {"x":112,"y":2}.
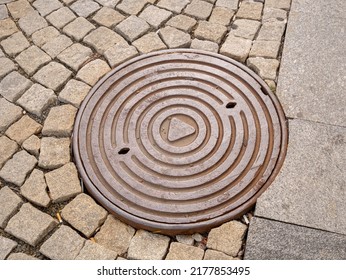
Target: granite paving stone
{"x":269,"y":240}
{"x":227,"y":238}
{"x":245,"y":28}
{"x":7,"y":28}
{"x":7,"y":148}
{"x":132,"y":28}
{"x":250,"y":10}
{"x":3,"y":12}
{"x":221,"y":15}
{"x":63,"y":183}
{"x":1,"y":53}
{"x":173,"y":5}
{"x":34,"y":189}
{"x":61,"y":17}
{"x":6,"y":247}
{"x":30,"y":224}
{"x":9,"y":114}
{"x":131,"y":7}
{"x":45,"y":7}
{"x":23,"y":129}
{"x":149,"y":43}
{"x":281,"y":4}
{"x":32,"y":22}
{"x":54,"y":153}
{"x":182,"y":22}
{"x":78,"y":28}
{"x":93,"y":71}
{"x":64,"y":244}
{"x":57,"y":45}
{"x":272,"y":14}
{"x":115,"y":235}
{"x":267,"y":49}
{"x":85,"y":8}
{"x":37,"y":99}
{"x":271,"y":31}
{"x":10,"y":202}
{"x":229,"y":4}
{"x":204,"y":45}
{"x":94,"y":251}
{"x":266,"y":68}
{"x":15,"y":44}
{"x":102,"y":39}
{"x":44,"y":35}
{"x":236,"y":47}
{"x":216,"y":255}
{"x":20,"y":256}
{"x":179,"y":251}
{"x":175,"y":38}
{"x":6,"y":66}
{"x":19,"y":8}
{"x":317,"y":149}
{"x":185,"y":239}
{"x":155,"y":16}
{"x":13,"y":86}
{"x":108,"y":17}
{"x":32,"y":145}
{"x":120,"y":53}
{"x":108,"y":3}
{"x":75,"y":56}
{"x":148,"y":246}
{"x":84,"y":214}
{"x":31,"y":59}
{"x":74,"y":92}
{"x":210,"y":31}
{"x":199,"y":9}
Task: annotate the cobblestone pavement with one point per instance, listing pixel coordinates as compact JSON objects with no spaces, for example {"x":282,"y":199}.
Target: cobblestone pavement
{"x":51,"y":53}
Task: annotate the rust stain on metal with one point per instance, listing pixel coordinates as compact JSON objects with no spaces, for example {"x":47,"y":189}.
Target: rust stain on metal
{"x":179,"y":141}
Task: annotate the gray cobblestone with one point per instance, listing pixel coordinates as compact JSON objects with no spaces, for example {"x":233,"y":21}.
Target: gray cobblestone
{"x":7,"y":28}
{"x":54,"y":153}
{"x":34,"y":189}
{"x":250,"y":10}
{"x":132,"y":28}
{"x":32,"y":145}
{"x":236,"y":47}
{"x":61,"y":17}
{"x":185,"y":239}
{"x":31,"y":59}
{"x":216,"y":255}
{"x":93,"y":71}
{"x":9,"y":205}
{"x":85,"y":8}
{"x":74,"y":92}
{"x":53,"y":75}
{"x":32,"y":22}
{"x":175,"y":38}
{"x":173,"y":5}
{"x":44,"y":35}
{"x":245,"y":28}
{"x":36,"y":99}
{"x":108,"y":17}
{"x":131,"y":7}
{"x":30,"y":224}
{"x":210,"y":31}
{"x":84,"y":214}
{"x":75,"y":55}
{"x":57,"y":45}
{"x":13,"y":86}
{"x":271,"y":31}
{"x":7,"y":149}
{"x":120,"y":53}
{"x":182,"y":22}
{"x":179,"y":251}
{"x":6,"y":247}
{"x":15,"y":44}
{"x":9,"y":113}
{"x":266,"y":68}
{"x":149,"y":43}
{"x":155,"y":16}
{"x":64,"y":244}
{"x":229,"y":4}
{"x":199,"y":9}
{"x":19,"y":8}
{"x":45,"y":7}
{"x":204,"y":45}
{"x":280,"y":4}
{"x":78,"y":28}
{"x":6,"y":66}
{"x":221,"y":15}
{"x":23,"y":129}
{"x":268,"y":49}
{"x":94,"y":251}
{"x":3,"y":12}
{"x":63,"y":183}
{"x":21,"y":256}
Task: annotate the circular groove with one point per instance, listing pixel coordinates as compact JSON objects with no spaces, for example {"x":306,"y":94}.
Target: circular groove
{"x":179,"y":141}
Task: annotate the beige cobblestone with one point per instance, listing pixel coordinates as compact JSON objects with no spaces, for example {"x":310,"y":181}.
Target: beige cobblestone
{"x":210,"y":31}
{"x":45,"y":7}
{"x":78,"y":28}
{"x":61,"y":17}
{"x":204,"y":45}
{"x":32,"y":22}
{"x":94,"y":251}
{"x":236,"y":47}
{"x":75,"y":55}
{"x":7,"y":149}
{"x":179,"y":251}
{"x":266,"y":68}
{"x":57,"y":45}
{"x":221,"y":15}
{"x":250,"y":10}
{"x":155,"y":16}
{"x":54,"y":153}
{"x":74,"y":92}
{"x":32,"y":145}
{"x":175,"y":38}
{"x":9,"y":113}
{"x":245,"y":28}
{"x":132,"y":28}
{"x":108,"y":17}
{"x":31,"y":59}
{"x":23,"y":129}
{"x":6,"y":66}
{"x":149,"y":43}
{"x":7,"y":28}
{"x":44,"y":35}
{"x":173,"y":5}
{"x":93,"y":71}
{"x":199,"y":9}
{"x":131,"y":7}
{"x":85,"y":8}
{"x":182,"y":22}
{"x":9,"y":204}
{"x":19,"y":8}
{"x":15,"y":44}
{"x":120,"y":53}
{"x":14,"y":85}
{"x":34,"y":189}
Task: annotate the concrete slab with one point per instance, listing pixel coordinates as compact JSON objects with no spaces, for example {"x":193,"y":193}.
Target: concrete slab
{"x":311,"y":187}
{"x":275,"y":240}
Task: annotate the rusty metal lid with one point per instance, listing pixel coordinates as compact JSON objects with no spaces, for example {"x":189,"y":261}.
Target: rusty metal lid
{"x":179,"y":141}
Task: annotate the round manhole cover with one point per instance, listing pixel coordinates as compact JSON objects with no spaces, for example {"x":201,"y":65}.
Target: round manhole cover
{"x":179,"y":141}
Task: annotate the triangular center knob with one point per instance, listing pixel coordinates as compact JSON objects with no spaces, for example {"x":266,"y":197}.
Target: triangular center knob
{"x":179,"y":129}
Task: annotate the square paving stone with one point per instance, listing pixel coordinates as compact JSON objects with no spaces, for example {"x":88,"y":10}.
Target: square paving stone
{"x":15,"y":44}
{"x":273,"y":240}
{"x":59,"y":121}
{"x":6,"y":247}
{"x":3,"y":12}
{"x":115,"y":235}
{"x":19,"y":8}
{"x":148,"y":246}
{"x":34,"y":189}
{"x":245,"y":28}
{"x":173,"y":5}
{"x":210,"y":31}
{"x":93,"y":71}
{"x":74,"y":92}
{"x":229,"y":4}
{"x":85,"y":8}
{"x":30,"y":224}
{"x":9,"y":113}
{"x":316,"y":197}
{"x":120,"y":53}
{"x":236,"y":47}
{"x":61,"y":17}
{"x":179,"y":251}
{"x":7,"y":28}
{"x":216,"y":255}
{"x":53,"y":75}
{"x":250,"y":10}
{"x":14,"y":85}
{"x":20,"y":257}
{"x":155,"y":16}
{"x":267,"y":49}
{"x":108,"y":3}
{"x":32,"y":145}
{"x":9,"y":205}
{"x":84,"y":214}
{"x":45,"y":7}
{"x":32,"y":22}
{"x":281,"y":4}
{"x":149,"y":42}
{"x":266,"y":68}
{"x":228,"y":238}
{"x":272,"y":14}
{"x":44,"y":35}
{"x":31,"y":59}
{"x":131,"y":7}
{"x":132,"y":28}
{"x":78,"y":28}
{"x":75,"y":55}
{"x":63,"y":183}
{"x":271,"y":31}
{"x":18,"y":167}
{"x":23,"y":129}
{"x":94,"y":251}
{"x":199,"y":9}
{"x":182,"y":22}
{"x":55,"y":152}
{"x":36,"y":99}
{"x":204,"y":45}
{"x":108,"y":17}
{"x":175,"y":38}
{"x":221,"y":15}
{"x":64,"y":244}
{"x":7,"y":149}
{"x":57,"y":45}
{"x":102,"y":39}
{"x":6,"y":66}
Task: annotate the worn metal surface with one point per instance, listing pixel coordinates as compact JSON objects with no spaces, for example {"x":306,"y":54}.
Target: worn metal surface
{"x":179,"y":141}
